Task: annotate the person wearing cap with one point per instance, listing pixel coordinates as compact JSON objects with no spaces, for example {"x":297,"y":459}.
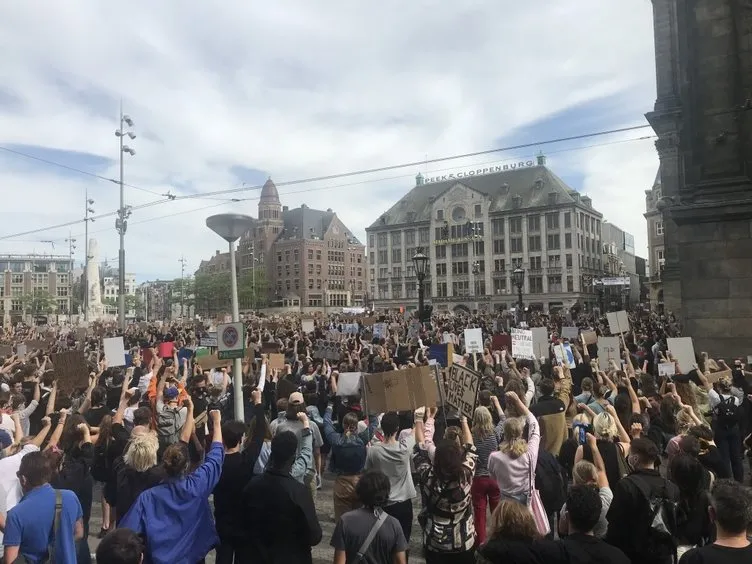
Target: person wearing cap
{"x":291,"y":422}
{"x":171,"y":416}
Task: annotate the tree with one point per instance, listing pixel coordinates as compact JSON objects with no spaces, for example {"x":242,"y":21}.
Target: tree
{"x":39,"y":302}
{"x":132,"y":303}
{"x":182,"y":293}
{"x":212,"y":293}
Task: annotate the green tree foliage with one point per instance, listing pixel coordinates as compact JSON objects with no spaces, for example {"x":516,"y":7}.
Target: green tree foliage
{"x":132,"y":303}
{"x":39,"y":302}
{"x":211,"y":294}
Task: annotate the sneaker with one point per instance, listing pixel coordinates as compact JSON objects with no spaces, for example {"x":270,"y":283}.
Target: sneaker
{"x":318,"y":481}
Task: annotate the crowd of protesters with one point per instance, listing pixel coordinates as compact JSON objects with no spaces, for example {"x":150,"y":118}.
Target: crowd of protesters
{"x":557,"y":463}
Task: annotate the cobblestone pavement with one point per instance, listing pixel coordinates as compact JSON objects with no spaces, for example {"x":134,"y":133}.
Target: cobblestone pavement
{"x":322,"y":553}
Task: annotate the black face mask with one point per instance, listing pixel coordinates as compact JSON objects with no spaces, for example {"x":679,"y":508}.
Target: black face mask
{"x":199,"y":393}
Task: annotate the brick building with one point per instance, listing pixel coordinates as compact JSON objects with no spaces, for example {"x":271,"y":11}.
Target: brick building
{"x":310,"y":259}
{"x":22,"y":276}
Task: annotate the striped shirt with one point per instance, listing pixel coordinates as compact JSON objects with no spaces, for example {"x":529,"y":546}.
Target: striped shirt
{"x":485,"y":446}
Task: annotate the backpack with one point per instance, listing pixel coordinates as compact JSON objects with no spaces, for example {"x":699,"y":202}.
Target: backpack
{"x":168,"y":430}
{"x":659,"y":542}
{"x":550,"y":481}
{"x":727,"y":412}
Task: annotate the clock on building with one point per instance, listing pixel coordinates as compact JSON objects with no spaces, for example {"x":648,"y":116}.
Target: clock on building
{"x":458,"y":213}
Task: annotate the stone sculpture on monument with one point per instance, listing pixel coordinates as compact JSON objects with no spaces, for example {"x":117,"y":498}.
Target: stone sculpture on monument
{"x":95,"y":309}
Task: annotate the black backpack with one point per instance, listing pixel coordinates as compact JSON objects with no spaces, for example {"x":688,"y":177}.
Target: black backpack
{"x":727,"y":412}
{"x":659,"y":544}
{"x":550,"y":481}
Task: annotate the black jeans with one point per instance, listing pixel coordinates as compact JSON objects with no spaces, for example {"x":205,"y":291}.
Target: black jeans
{"x":729,"y":443}
{"x":403,"y":512}
{"x":232,"y":551}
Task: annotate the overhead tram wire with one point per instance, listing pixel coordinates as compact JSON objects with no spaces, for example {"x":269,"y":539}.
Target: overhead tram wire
{"x":170,"y":197}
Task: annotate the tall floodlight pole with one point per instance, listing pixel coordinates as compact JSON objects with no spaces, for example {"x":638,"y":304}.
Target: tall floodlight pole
{"x":231,"y":226}
{"x":87,"y":210}
{"x":121,"y":223}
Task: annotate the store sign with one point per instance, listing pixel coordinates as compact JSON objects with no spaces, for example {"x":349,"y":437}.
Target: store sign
{"x":479,"y":172}
{"x":615,"y":281}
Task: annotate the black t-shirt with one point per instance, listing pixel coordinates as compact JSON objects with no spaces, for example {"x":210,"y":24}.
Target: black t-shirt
{"x":586,"y":549}
{"x":714,"y":554}
{"x":95,"y":415}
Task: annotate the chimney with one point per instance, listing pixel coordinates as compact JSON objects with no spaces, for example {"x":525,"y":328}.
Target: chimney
{"x":419,"y":180}
{"x":541,"y":159}
{"x":285,"y":208}
{"x":216,"y":254}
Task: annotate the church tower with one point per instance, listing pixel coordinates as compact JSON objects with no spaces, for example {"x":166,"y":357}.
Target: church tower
{"x":269,"y":216}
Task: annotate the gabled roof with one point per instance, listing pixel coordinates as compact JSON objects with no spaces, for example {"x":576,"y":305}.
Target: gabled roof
{"x":500,"y":187}
{"x":308,"y":223}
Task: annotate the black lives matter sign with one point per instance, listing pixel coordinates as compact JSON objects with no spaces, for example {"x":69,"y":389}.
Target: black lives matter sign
{"x":461,"y":387}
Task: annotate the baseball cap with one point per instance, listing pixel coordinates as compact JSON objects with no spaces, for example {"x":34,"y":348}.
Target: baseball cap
{"x":5,"y":439}
{"x":296,"y":398}
{"x":171,"y":393}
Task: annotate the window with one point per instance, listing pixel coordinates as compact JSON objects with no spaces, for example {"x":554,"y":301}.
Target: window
{"x":382,"y":239}
{"x":310,"y":253}
{"x":659,"y":228}
{"x":371,"y":242}
{"x":383,"y":272}
{"x":481,"y":267}
{"x":569,"y":261}
{"x":497,"y":227}
{"x":478,"y":213}
{"x":500,"y":285}
{"x":515,"y":244}
{"x":441,"y":269}
{"x":441,"y":289}
{"x":480,"y":247}
{"x":410,"y":237}
{"x":554,"y":283}
{"x":499,"y":265}
{"x":16,"y":278}
{"x":383,"y":257}
{"x":570,"y":284}
{"x":460,"y":288}
{"x":396,"y":237}
{"x":310,"y":269}
{"x":567,"y":240}
{"x":534,"y":243}
{"x":554,"y":260}
{"x":440,"y":251}
{"x":533,"y":223}
{"x":460,"y":268}
{"x":515,"y":225}
{"x":480,"y":287}
{"x":459,"y":250}
{"x":397,"y":255}
{"x":423,"y":235}
{"x":498,"y":246}
{"x":440,"y":215}
{"x":553,"y":242}
{"x":567,"y":220}
{"x":371,"y":258}
{"x":535,"y":284}
{"x":552,"y":220}
{"x":587,"y":224}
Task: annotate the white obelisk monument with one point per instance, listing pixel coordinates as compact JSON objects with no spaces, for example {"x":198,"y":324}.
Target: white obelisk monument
{"x":95,"y":309}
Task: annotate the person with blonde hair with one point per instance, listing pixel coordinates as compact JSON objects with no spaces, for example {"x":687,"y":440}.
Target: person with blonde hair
{"x":612,"y":441}
{"x":513,"y":537}
{"x":485,"y":489}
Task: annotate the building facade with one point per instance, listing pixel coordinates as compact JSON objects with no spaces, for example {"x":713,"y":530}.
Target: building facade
{"x":620,"y":262}
{"x":656,"y":244}
{"x":310,"y":260}
{"x":157,"y":302}
{"x":111,"y":292}
{"x":703,"y":119}
{"x":34,"y":285}
{"x":477,"y":228}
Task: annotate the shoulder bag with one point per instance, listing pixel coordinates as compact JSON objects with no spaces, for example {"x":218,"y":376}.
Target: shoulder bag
{"x":360,"y":556}
{"x":50,"y":558}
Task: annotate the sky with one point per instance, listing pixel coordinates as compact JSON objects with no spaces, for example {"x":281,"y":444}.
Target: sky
{"x":225,"y":95}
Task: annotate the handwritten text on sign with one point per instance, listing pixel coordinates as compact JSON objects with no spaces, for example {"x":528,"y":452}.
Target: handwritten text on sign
{"x":462,"y":389}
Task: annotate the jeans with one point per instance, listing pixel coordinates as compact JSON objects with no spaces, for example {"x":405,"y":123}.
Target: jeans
{"x":233,"y":551}
{"x":83,"y":552}
{"x":729,"y":443}
{"x":403,"y":512}
{"x":485,"y":492}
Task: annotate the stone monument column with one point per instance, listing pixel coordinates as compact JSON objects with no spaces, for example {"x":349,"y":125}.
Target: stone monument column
{"x":95,"y":309}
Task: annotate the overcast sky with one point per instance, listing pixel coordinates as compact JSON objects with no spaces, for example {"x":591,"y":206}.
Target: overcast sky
{"x":224,"y":95}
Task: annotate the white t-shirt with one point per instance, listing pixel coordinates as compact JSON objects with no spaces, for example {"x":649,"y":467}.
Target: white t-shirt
{"x":10,"y":487}
{"x":6,"y":424}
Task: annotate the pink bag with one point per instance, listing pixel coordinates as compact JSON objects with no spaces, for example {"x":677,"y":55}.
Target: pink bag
{"x":536,"y":504}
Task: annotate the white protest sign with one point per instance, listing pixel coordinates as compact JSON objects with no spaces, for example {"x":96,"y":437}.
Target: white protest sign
{"x":522,"y":344}
{"x":683,"y":351}
{"x":565,"y":356}
{"x":571,"y":333}
{"x":461,"y":389}
{"x":608,"y":349}
{"x":307,"y":325}
{"x":474,"y":341}
{"x":21,"y":350}
{"x":618,"y":322}
{"x":540,"y":342}
{"x":380,"y":330}
{"x":114,"y":351}
{"x":666,"y":369}
{"x":348,"y":383}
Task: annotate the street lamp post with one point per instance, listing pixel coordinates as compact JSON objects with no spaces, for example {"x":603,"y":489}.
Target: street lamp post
{"x":518,"y":277}
{"x":420,"y":261}
{"x":230,"y":226}
{"x":121,"y":223}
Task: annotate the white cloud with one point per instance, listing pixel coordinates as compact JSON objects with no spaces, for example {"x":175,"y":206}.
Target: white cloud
{"x":301,"y":89}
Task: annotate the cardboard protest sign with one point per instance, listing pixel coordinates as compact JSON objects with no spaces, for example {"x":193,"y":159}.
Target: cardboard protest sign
{"x":590,"y":337}
{"x":348,"y":383}
{"x":500,"y":342}
{"x":270,"y":347}
{"x":713,"y":377}
{"x":307,"y":325}
{"x":276,"y":361}
{"x":618,"y":322}
{"x":541,"y":346}
{"x":212,"y":362}
{"x":608,"y":349}
{"x":683,"y":351}
{"x":461,"y":389}
{"x":71,"y":370}
{"x":400,"y":390}
{"x":114,"y":351}
{"x":522,"y":344}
